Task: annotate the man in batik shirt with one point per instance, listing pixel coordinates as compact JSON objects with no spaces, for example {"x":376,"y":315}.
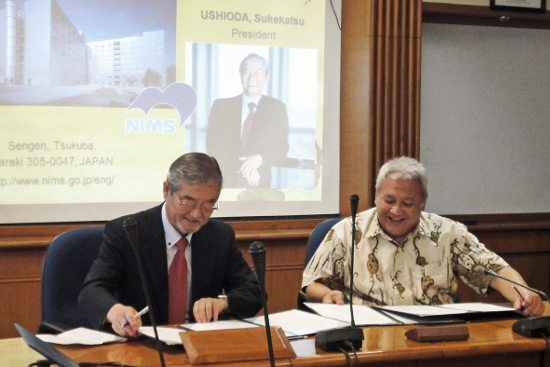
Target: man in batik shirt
{"x":404,"y":256}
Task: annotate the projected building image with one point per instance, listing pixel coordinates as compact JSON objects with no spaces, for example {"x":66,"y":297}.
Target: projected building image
{"x":46,"y":59}
{"x":126,"y":61}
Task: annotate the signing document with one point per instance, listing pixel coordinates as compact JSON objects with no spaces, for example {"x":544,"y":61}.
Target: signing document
{"x":171,"y":336}
{"x":81,"y":336}
{"x":296,"y":323}
{"x":363,"y":315}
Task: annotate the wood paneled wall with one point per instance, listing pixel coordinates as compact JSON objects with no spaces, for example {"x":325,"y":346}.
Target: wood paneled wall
{"x":523,"y":241}
{"x":380,"y":94}
{"x":483,"y":16}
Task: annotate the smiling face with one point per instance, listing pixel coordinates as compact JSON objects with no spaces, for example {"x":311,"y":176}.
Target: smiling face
{"x":254,"y":78}
{"x":200,"y":196}
{"x":399,"y":203}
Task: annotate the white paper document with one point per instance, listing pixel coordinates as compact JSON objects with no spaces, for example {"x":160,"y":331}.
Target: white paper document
{"x":219,"y":325}
{"x":167,"y":335}
{"x":363,"y":315}
{"x":296,"y":323}
{"x":81,"y":336}
{"x":171,"y":336}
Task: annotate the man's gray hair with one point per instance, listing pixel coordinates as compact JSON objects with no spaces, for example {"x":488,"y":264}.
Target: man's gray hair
{"x":254,"y":56}
{"x":404,"y":168}
{"x":194,"y":168}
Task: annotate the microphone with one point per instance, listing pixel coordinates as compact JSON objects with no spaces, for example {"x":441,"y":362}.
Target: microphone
{"x":353,"y":204}
{"x":531,"y":327}
{"x":348,"y":338}
{"x":130,"y":227}
{"x":257,"y":253}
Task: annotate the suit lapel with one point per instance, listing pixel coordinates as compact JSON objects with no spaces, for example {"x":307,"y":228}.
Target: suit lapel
{"x":202,"y":260}
{"x":235,"y":114}
{"x":153,"y":252}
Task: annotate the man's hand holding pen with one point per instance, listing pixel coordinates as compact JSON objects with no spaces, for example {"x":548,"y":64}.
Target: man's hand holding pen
{"x":528,"y":303}
{"x":125,"y":320}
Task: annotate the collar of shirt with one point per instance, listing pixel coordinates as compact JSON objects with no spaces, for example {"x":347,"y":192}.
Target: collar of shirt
{"x":171,"y":235}
{"x":245,"y":109}
{"x":247,"y":100}
{"x":423,"y":225}
{"x":375,"y":229}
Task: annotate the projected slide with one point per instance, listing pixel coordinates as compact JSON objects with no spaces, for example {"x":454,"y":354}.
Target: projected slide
{"x":98,"y":98}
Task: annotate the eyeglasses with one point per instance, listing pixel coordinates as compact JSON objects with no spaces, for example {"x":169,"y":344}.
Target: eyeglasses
{"x":255,"y":73}
{"x":191,"y":205}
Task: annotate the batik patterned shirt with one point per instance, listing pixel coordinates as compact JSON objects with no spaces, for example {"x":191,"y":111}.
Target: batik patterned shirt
{"x":422,"y":269}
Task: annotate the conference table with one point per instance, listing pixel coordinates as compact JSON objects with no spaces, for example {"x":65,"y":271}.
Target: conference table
{"x":491,"y":343}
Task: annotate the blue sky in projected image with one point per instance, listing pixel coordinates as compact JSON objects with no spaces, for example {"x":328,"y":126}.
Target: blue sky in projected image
{"x":101,"y":20}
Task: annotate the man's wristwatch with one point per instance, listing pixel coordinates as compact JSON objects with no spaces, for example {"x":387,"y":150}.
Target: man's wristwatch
{"x":224,"y":297}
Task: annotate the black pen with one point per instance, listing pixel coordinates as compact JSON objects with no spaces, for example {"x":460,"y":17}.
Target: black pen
{"x":519,"y":294}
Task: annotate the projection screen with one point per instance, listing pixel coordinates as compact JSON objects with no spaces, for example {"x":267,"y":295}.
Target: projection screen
{"x":97,"y":98}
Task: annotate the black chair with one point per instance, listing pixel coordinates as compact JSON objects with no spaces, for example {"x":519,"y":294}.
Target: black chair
{"x":315,"y":238}
{"x":67,"y":261}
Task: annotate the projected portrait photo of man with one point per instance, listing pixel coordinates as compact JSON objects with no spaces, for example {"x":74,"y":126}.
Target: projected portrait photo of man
{"x":248,"y":133}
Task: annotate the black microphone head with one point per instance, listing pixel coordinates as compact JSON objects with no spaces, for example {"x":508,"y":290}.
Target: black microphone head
{"x":257,"y":252}
{"x":353,"y":203}
{"x":129,"y":225}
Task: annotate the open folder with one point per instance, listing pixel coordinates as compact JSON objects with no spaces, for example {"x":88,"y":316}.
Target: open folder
{"x":462,"y":311}
{"x":411,"y":314}
{"x":296,"y":323}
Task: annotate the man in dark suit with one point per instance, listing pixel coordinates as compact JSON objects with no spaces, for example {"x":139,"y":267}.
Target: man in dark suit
{"x":112,"y":291}
{"x":247,"y":147}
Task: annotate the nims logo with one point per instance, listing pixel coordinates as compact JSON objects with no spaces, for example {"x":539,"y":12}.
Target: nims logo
{"x":150,"y":126}
{"x":180,"y":96}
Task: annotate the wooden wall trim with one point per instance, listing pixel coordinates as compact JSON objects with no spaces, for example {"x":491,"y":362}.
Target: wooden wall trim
{"x":482,"y":16}
{"x":512,"y":227}
{"x":380,"y":93}
{"x":17,"y":237}
{"x":505,"y":222}
{"x":40,"y":235}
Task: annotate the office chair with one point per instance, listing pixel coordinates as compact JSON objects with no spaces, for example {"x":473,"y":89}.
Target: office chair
{"x":67,"y":261}
{"x":315,"y":238}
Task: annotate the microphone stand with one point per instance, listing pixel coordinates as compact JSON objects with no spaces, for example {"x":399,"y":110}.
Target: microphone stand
{"x":354,"y":202}
{"x":130,"y":227}
{"x":491,"y":274}
{"x":257,"y":253}
{"x":347,"y":338}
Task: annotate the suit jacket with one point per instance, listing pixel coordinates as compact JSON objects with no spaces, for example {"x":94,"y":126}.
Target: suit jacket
{"x":268,"y":137}
{"x":217,"y":265}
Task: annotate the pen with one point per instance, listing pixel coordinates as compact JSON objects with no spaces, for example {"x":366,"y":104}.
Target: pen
{"x":139,"y":314}
{"x":519,"y":294}
{"x":294,"y":337}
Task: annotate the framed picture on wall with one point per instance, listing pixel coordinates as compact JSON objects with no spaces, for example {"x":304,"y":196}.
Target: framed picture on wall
{"x":533,"y":6}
